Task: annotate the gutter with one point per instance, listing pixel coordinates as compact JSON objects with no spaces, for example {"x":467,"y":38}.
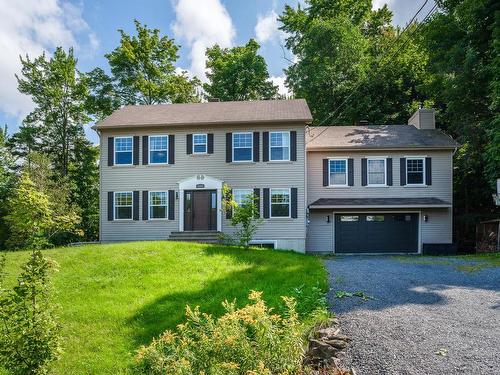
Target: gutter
{"x":379,"y":206}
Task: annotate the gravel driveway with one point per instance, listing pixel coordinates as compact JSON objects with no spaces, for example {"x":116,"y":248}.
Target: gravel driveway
{"x":426,"y":316}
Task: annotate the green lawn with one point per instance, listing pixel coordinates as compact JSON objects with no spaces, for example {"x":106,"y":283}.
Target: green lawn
{"x":113,"y":298}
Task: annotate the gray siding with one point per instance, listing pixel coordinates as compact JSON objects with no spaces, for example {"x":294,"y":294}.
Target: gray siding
{"x":289,"y":232}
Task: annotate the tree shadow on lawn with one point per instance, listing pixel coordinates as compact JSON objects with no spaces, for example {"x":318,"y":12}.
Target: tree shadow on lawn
{"x":275,"y":273}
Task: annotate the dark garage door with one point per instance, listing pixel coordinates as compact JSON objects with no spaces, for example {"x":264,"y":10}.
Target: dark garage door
{"x":376,"y":233}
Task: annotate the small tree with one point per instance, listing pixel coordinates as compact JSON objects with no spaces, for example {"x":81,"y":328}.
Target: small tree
{"x":29,"y":333}
{"x":244,"y":216}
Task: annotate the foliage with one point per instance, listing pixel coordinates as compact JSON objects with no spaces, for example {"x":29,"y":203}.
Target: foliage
{"x":59,"y":92}
{"x":249,"y":340}
{"x":238,"y":73}
{"x":29,"y":331}
{"x":7,"y":182}
{"x":246,"y":216}
{"x":309,"y":299}
{"x":143,"y":72}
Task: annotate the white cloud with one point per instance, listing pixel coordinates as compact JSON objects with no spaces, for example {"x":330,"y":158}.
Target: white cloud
{"x":202,"y":24}
{"x":376,"y":4}
{"x":266,"y":28}
{"x":31,"y":27}
{"x":280,"y":82}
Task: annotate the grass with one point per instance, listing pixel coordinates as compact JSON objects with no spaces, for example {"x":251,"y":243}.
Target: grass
{"x":466,"y":263}
{"x":114,"y":298}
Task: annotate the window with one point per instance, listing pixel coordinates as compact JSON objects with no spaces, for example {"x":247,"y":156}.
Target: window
{"x":242,"y":146}
{"x":338,"y":172}
{"x":415,"y":171}
{"x":199,"y":143}
{"x":349,"y":218}
{"x":123,"y":205}
{"x":375,"y":218}
{"x":158,"y":149}
{"x":239,"y":195}
{"x":157,"y":204}
{"x":280,"y":202}
{"x":123,"y":150}
{"x":279,"y":146}
{"x":376,"y":172}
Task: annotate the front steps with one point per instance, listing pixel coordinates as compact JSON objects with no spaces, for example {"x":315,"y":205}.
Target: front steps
{"x":201,"y":236}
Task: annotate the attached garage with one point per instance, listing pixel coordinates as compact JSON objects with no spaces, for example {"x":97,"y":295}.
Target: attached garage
{"x":357,"y":233}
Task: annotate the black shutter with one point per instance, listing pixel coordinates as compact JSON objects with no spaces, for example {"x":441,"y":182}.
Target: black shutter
{"x":189,"y":144}
{"x":265,"y":146}
{"x":402,"y":171}
{"x":389,"y":171}
{"x":111,"y":206}
{"x":171,"y":205}
{"x":145,"y":205}
{"x":325,"y":172}
{"x":171,"y":149}
{"x":111,"y":151}
{"x":293,"y":145}
{"x":229,"y":211}
{"x":428,"y":171}
{"x":145,"y":150}
{"x":256,"y":193}
{"x":266,"y":203}
{"x":229,"y":147}
{"x":210,"y":145}
{"x":136,"y":205}
{"x":350,"y":167}
{"x":256,"y":146}
{"x":136,"y":149}
{"x":364,"y":172}
{"x":293,"y":209}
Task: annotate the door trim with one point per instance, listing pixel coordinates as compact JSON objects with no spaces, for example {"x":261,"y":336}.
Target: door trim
{"x":419,"y":229}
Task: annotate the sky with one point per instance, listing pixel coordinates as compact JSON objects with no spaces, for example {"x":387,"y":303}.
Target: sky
{"x":90,"y":26}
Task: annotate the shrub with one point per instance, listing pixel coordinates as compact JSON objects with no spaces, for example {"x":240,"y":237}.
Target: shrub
{"x":250,"y":340}
{"x":29,"y":333}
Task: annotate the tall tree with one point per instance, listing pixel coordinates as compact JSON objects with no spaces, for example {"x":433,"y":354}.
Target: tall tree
{"x":7,"y":181}
{"x":238,"y":73}
{"x":142,"y":72}
{"x":59,"y":93}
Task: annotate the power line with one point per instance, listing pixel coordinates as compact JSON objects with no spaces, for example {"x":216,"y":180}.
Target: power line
{"x":380,"y":67}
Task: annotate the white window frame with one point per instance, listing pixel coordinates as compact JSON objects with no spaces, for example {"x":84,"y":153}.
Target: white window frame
{"x":271,"y":204}
{"x":131,"y":151}
{"x":251,"y":148}
{"x":368,"y":170}
{"x":204,"y":143}
{"x":423,"y":170}
{"x":235,"y":190}
{"x":115,"y":205}
{"x":157,"y":205}
{"x":270,"y":147}
{"x":346,"y":172}
{"x":150,"y":150}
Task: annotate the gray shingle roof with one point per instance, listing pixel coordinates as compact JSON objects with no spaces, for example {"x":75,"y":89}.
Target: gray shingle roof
{"x":211,"y":113}
{"x":382,"y":202}
{"x":376,"y":136}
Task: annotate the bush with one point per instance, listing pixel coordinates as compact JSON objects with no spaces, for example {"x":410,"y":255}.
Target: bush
{"x":250,"y":340}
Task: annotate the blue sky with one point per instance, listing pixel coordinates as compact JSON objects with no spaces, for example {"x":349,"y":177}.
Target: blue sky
{"x":33,"y":26}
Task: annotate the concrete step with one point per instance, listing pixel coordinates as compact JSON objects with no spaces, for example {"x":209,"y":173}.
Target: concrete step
{"x":195,"y":236}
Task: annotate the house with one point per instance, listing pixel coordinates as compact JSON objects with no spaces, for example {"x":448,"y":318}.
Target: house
{"x":349,"y":189}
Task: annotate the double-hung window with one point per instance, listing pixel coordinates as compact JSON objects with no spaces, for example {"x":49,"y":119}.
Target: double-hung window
{"x":415,"y":171}
{"x":123,"y":150}
{"x":242,"y":147}
{"x":199,"y":143}
{"x":280,"y":202}
{"x":158,"y":149}
{"x":376,"y":170}
{"x":337,"y":172}
{"x":279,"y":146}
{"x":158,"y":204}
{"x":123,"y":205}
{"x":240,"y":195}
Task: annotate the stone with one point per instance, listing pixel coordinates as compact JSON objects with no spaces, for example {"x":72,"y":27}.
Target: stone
{"x":318,"y":348}
{"x":328,"y":333}
{"x":338,"y":344}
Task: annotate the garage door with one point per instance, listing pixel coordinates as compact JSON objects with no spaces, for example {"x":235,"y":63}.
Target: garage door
{"x":376,"y":233}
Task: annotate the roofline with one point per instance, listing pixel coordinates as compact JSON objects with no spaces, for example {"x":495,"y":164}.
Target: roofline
{"x":126,"y":126}
{"x":372,"y":206}
{"x":337,"y":148}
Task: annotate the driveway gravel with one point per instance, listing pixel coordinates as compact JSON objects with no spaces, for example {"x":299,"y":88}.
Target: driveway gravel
{"x":425,"y":316}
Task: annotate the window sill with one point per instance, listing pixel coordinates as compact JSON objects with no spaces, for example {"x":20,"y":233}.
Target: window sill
{"x":244,"y":162}
{"x":377,"y":186}
{"x":157,"y":165}
{"x":123,"y":166}
{"x":159,"y":219}
{"x":280,"y":162}
{"x":415,"y":186}
{"x":123,"y":220}
{"x":200,"y":154}
{"x":281,"y":218}
{"x":338,"y":187}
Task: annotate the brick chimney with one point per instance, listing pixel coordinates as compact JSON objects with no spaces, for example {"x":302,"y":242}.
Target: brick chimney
{"x":423,"y":118}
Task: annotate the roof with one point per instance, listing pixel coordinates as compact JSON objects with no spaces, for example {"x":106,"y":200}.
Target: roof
{"x":210,"y":113}
{"x":376,"y":136}
{"x":378,"y":202}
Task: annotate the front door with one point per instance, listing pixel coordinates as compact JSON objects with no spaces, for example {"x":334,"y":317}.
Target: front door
{"x":200,"y":210}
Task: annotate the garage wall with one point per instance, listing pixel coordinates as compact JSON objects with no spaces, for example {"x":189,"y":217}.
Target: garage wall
{"x":319,"y":232}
